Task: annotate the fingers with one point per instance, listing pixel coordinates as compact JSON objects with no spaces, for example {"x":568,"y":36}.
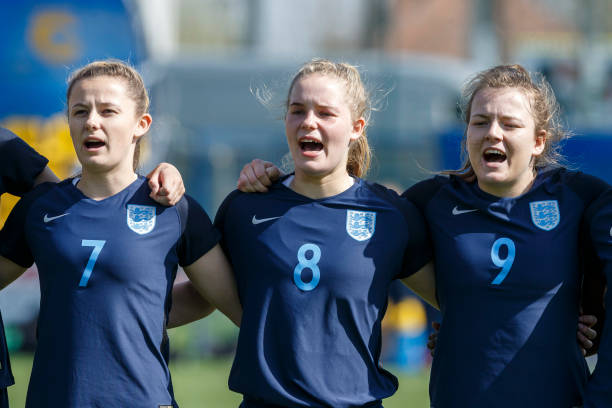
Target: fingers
{"x":585,"y":344}
{"x":586,"y":331}
{"x":166,"y":184}
{"x":433,"y":337}
{"x":254,"y":176}
{"x":153,"y":177}
{"x":588,"y":320}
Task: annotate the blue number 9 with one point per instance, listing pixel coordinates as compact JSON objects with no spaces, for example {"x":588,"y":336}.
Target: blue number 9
{"x":505,"y":263}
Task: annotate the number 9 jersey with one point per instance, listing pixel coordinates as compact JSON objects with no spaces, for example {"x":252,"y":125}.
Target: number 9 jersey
{"x":313,"y":279}
{"x":508,"y":280}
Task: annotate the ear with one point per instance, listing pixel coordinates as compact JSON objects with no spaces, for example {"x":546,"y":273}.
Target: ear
{"x":357,"y":130}
{"x":540,"y":142}
{"x":143,"y":125}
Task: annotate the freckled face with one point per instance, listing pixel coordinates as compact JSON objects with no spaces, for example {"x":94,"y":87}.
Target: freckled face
{"x":103,"y":123}
{"x":502,"y":141}
{"x":319,"y":125}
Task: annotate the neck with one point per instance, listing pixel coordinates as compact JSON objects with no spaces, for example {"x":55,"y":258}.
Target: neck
{"x":316,"y":186}
{"x":101,"y":185}
{"x":509,"y":191}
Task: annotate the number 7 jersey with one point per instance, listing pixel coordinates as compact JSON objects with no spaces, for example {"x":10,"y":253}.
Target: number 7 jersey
{"x":106,"y":271}
{"x":508,"y":279}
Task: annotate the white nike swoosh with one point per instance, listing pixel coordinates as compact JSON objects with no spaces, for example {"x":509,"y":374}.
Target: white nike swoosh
{"x":46,"y":218}
{"x":611,"y":231}
{"x":457,"y":211}
{"x":259,"y":221}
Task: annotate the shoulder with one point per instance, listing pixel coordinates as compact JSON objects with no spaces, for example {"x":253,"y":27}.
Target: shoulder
{"x":404,"y":206}
{"x":6,"y":135}
{"x":586,"y":186}
{"x":422,"y":192}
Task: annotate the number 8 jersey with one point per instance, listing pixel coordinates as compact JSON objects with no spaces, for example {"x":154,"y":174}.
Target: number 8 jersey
{"x":508,"y":281}
{"x":313,"y":279}
{"x":106,"y":270}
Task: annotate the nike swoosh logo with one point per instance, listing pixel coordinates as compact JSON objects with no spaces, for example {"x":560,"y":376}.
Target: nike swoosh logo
{"x":46,"y":218}
{"x":611,"y":231}
{"x":457,"y":211}
{"x":256,"y":221}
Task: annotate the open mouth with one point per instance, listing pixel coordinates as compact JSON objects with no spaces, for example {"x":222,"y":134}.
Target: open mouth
{"x":494,"y":156}
{"x":310,"y":145}
{"x":93,"y":143}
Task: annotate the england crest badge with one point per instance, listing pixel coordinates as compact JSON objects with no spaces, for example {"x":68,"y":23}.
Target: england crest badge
{"x":141,"y":218}
{"x":360,"y":225}
{"x":545,"y":214}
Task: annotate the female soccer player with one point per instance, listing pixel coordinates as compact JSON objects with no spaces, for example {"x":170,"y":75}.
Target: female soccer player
{"x":107,"y":255}
{"x":314,"y":258}
{"x":505,"y":231}
{"x":21,"y":169}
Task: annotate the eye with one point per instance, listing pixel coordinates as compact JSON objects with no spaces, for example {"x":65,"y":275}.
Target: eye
{"x":296,"y":111}
{"x":109,"y":111}
{"x":479,"y":122}
{"x":79,"y":112}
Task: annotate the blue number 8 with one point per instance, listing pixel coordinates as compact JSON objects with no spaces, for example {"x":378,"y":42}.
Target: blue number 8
{"x":505,"y":263}
{"x":307,"y":263}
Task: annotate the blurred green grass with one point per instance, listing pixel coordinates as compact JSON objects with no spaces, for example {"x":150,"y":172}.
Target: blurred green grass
{"x":203,"y":383}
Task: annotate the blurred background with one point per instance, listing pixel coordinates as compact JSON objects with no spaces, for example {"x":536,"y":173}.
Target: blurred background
{"x":206,"y":60}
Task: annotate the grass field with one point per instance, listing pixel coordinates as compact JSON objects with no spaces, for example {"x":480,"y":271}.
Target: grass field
{"x":203,"y":383}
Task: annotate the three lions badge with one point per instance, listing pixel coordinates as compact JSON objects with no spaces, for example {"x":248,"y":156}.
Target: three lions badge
{"x":545,"y":214}
{"x":360,"y":225}
{"x":141,"y":218}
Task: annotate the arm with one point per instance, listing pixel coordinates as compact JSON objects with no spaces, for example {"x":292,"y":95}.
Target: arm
{"x":166,"y":184}
{"x":423,"y":283}
{"x":213,"y":278}
{"x":46,"y":175}
{"x":187,"y":305}
{"x":9,"y":271}
{"x":257,"y":176}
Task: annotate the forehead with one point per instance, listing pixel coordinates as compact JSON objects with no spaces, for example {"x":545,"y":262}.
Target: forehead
{"x":318,"y":88}
{"x":502,"y":101}
{"x":102,"y":88}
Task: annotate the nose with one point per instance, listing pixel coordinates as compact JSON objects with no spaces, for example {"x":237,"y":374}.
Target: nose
{"x":92,"y":120}
{"x":495,"y":132}
{"x":310,"y":120}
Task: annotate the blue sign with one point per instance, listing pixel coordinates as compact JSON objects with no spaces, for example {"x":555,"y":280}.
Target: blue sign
{"x":44,"y":41}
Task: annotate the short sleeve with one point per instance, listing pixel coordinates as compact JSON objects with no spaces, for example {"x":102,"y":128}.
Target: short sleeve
{"x":19,"y":164}
{"x":598,"y":219}
{"x":421,"y":193}
{"x":13,"y":239}
{"x":198,"y":234}
{"x":419,"y":249}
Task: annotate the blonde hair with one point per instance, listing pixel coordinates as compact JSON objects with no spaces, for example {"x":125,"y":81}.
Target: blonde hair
{"x":360,"y":154}
{"x":543,"y":104}
{"x":136,"y":89}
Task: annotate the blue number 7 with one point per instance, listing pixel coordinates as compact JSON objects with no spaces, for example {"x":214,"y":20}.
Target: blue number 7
{"x":505,"y":263}
{"x":97,"y":245}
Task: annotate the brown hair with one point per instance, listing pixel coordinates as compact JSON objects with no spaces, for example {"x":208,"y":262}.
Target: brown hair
{"x":360,"y":154}
{"x":116,"y":69}
{"x":544,"y":108}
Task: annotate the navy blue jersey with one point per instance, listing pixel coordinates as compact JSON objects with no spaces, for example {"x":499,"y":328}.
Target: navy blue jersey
{"x":599,"y":221}
{"x":19,"y":167}
{"x":106,"y":271}
{"x":313,"y":279}
{"x":19,"y":164}
{"x":508,"y":283}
